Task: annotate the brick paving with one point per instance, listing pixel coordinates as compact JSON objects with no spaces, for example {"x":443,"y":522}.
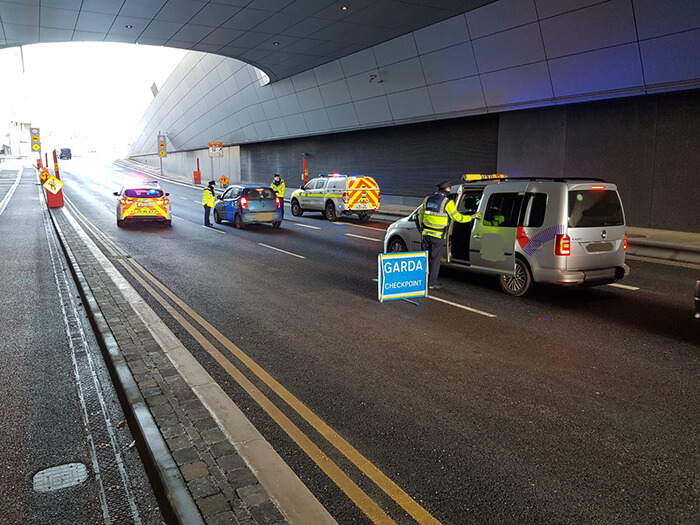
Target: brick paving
{"x":221,"y":484}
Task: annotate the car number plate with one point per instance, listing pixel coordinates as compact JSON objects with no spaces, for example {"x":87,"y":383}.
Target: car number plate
{"x":145,"y":204}
{"x":362,"y":206}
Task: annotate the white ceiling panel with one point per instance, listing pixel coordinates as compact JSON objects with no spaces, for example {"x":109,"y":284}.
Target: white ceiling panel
{"x":395,"y":50}
{"x":59,"y":18}
{"x":335,"y":93}
{"x":671,"y":58}
{"x":141,"y":8}
{"x":358,"y":62}
{"x":289,"y":105}
{"x":373,"y":111}
{"x":221,"y":36}
{"x":94,"y":22}
{"x":49,"y":34}
{"x":500,"y":16}
{"x":296,"y":125}
{"x":655,"y":18}
{"x":464,"y":94}
{"x":514,"y":47}
{"x":180,"y":10}
{"x":343,"y":116}
{"x":304,"y":81}
{"x":278,"y":23}
{"x":548,"y":8}
{"x":213,"y":14}
{"x":19,"y":14}
{"x":601,"y":70}
{"x":247,"y":19}
{"x":317,"y":120}
{"x":192,"y":33}
{"x":444,"y":34}
{"x":402,"y":76}
{"x":62,"y":4}
{"x":603,"y":25}
{"x":517,"y":85}
{"x":107,"y":7}
{"x":310,"y":99}
{"x":329,"y":72}
{"x":449,"y":64}
{"x":410,"y":104}
{"x":158,"y":29}
{"x":361,"y":87}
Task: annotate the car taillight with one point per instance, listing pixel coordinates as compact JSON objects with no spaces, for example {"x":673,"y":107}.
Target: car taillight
{"x":345,"y":197}
{"x":122,"y":202}
{"x":244,"y":203}
{"x":624,"y":243}
{"x":277,"y":202}
{"x":562,"y":245}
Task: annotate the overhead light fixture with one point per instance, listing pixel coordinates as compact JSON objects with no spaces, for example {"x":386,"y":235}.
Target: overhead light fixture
{"x":275,"y":43}
{"x":344,"y":8}
{"x":129,"y":26}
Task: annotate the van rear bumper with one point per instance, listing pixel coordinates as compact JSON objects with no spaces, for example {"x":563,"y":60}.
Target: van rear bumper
{"x":592,"y":277}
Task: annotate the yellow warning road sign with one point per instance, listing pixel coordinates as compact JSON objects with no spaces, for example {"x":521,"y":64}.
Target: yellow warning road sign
{"x":161,"y":145}
{"x":36,"y":147}
{"x":44,"y":174}
{"x":162,"y":153}
{"x":223,"y":180}
{"x":35,"y":139}
{"x":53,"y":185}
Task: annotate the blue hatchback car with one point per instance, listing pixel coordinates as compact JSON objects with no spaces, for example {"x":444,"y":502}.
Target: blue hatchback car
{"x":248,"y":204}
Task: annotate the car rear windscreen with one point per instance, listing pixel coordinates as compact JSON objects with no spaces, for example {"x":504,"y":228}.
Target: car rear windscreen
{"x":259,"y":194}
{"x":143,"y":193}
{"x":594,"y":208}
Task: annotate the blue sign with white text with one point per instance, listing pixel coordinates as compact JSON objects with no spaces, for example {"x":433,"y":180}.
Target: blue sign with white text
{"x":403,"y":275}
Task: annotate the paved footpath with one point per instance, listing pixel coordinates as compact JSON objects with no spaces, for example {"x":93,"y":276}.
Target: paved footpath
{"x":200,"y":471}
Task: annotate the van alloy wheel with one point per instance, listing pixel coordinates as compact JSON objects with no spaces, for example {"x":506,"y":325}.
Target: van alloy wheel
{"x":296,"y":209}
{"x":330,"y":212}
{"x":516,"y":285}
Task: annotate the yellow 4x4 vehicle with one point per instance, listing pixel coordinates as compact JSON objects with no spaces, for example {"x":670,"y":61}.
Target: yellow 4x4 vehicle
{"x":336,"y":194}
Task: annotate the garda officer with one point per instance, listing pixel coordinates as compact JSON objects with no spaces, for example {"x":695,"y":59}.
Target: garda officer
{"x":208,"y":201}
{"x":434,"y":217}
{"x":278,"y":187}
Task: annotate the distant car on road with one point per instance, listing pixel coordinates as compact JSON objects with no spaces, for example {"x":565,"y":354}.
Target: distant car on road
{"x":143,"y":201}
{"x":65,"y":154}
{"x":248,"y":204}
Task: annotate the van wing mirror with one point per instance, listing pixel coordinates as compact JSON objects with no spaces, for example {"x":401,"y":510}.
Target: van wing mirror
{"x":116,"y":194}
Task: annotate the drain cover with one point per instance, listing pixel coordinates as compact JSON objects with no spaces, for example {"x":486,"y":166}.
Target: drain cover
{"x":60,"y":477}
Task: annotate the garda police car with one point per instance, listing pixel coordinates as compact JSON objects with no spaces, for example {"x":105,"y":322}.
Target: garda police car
{"x":538,"y":229}
{"x":143,"y":201}
{"x":337,"y":194}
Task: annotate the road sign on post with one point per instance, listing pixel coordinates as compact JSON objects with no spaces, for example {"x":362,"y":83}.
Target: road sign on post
{"x":216,"y":149}
{"x":36,"y":141}
{"x":403,"y":275}
{"x":162,"y":147}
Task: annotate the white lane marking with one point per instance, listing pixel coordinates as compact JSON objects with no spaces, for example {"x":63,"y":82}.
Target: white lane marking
{"x":363,"y":237}
{"x":183,"y":198}
{"x":473,"y":310}
{"x":178,"y":218}
{"x":196,"y":202}
{"x":213,"y":229}
{"x":358,"y":226}
{"x":283,"y":251}
{"x":305,"y":225}
{"x":624,"y":286}
{"x":11,"y":191}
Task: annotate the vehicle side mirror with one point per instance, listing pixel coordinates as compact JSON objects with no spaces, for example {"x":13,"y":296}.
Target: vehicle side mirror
{"x":116,"y":194}
{"x":167,"y":195}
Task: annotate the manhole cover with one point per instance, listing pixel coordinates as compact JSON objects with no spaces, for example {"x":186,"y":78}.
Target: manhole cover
{"x":60,"y":477}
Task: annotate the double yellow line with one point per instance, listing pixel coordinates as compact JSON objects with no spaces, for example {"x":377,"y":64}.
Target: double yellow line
{"x":359,"y":497}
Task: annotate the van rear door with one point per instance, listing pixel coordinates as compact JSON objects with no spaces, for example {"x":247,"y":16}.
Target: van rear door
{"x":596,"y":227}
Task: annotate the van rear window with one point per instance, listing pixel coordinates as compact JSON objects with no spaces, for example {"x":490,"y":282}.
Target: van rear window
{"x":594,"y":208}
{"x":143,"y":193}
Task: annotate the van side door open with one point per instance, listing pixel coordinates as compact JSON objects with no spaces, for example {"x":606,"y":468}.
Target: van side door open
{"x":459,"y":233}
{"x":492,"y":245}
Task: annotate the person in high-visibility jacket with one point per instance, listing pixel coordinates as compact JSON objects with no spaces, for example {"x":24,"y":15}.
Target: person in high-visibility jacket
{"x":278,"y":187}
{"x":208,"y":201}
{"x":434,"y":217}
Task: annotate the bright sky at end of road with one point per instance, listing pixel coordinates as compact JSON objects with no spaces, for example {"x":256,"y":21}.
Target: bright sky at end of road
{"x":84,"y":95}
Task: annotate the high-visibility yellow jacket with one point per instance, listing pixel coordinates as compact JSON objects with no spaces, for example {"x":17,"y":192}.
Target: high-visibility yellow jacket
{"x":208,"y":197}
{"x":436,"y":212}
{"x":279,"y":188}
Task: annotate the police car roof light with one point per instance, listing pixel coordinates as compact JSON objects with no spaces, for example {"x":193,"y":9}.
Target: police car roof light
{"x":475,"y":177}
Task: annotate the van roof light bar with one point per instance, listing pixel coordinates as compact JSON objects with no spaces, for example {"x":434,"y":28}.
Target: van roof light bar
{"x":474,"y":177}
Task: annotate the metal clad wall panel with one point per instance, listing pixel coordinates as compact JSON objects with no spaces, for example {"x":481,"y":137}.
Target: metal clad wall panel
{"x":405,"y":160}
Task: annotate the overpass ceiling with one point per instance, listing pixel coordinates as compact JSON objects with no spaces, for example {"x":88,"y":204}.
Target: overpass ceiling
{"x":281,"y":37}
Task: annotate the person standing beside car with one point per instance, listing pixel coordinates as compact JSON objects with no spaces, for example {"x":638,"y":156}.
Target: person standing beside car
{"x":278,"y":187}
{"x":208,"y":201}
{"x":434,"y":217}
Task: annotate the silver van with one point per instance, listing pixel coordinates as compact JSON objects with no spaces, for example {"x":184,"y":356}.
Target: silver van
{"x":533,"y":230}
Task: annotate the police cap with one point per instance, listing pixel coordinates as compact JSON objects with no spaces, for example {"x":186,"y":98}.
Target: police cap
{"x":444,"y":185}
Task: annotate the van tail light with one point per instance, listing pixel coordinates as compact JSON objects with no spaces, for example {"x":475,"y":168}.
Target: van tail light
{"x":345,"y":197}
{"x":277,"y":202}
{"x":598,"y":187}
{"x":562,"y":245}
{"x":624,"y":243}
{"x":122,"y":202}
{"x":244,"y":203}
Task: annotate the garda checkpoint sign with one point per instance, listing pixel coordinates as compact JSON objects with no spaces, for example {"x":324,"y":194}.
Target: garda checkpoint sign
{"x":403,"y":275}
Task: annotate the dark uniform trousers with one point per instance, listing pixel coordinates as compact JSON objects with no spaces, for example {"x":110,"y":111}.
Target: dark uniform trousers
{"x":434,"y":247}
